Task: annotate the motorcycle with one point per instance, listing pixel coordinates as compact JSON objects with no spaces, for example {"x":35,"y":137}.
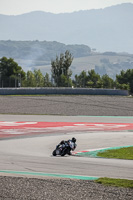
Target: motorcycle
{"x":64,"y":149}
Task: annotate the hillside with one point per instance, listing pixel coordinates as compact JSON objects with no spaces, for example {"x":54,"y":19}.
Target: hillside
{"x":109,"y":29}
{"x":32,"y":55}
{"x":40,"y":51}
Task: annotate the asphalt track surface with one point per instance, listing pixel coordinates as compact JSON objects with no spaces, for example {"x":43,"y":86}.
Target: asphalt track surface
{"x":22,"y":151}
{"x":32,"y":153}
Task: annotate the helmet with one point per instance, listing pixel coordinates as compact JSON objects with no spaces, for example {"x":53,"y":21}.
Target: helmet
{"x":73,"y":139}
{"x":62,"y":142}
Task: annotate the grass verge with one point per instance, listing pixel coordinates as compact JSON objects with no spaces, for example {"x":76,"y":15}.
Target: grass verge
{"x":115,"y":182}
{"x":122,"y":153}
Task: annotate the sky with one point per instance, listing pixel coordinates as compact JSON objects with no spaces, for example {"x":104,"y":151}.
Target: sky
{"x":16,"y":7}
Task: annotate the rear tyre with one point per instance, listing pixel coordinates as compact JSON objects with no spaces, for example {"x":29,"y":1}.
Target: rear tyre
{"x":54,"y":153}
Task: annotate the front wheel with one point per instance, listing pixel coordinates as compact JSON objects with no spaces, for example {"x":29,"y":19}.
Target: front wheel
{"x":54,"y":153}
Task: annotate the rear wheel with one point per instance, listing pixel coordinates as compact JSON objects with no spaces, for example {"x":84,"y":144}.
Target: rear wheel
{"x":54,"y":153}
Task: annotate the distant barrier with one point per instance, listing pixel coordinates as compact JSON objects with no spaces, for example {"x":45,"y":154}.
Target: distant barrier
{"x":63,"y":91}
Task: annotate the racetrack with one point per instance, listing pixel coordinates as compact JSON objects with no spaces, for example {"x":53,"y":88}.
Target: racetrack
{"x":32,"y":153}
{"x":37,"y":148}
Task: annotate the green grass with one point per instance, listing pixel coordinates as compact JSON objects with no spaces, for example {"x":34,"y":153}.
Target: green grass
{"x":122,"y":153}
{"x":115,"y":182}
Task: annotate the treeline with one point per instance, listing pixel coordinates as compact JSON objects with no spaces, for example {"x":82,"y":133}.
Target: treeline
{"x":12,"y":75}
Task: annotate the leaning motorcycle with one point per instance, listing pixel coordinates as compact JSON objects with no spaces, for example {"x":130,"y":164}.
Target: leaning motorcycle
{"x":62,"y":150}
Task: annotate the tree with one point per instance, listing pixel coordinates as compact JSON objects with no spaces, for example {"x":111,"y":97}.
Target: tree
{"x":107,"y":82}
{"x":94,"y":79}
{"x":125,"y":78}
{"x":81,"y":80}
{"x":36,"y":79}
{"x":60,"y":69}
{"x":30,"y":79}
{"x":122,"y":86}
{"x":64,"y":81}
{"x":47,"y":82}
{"x":39,"y":78}
{"x":11,"y":74}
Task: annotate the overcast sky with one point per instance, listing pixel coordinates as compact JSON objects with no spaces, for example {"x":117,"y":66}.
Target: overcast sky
{"x":16,"y":7}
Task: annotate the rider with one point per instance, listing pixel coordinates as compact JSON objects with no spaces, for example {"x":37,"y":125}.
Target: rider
{"x":71,"y":147}
{"x":68,"y":145}
{"x":72,"y":140}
